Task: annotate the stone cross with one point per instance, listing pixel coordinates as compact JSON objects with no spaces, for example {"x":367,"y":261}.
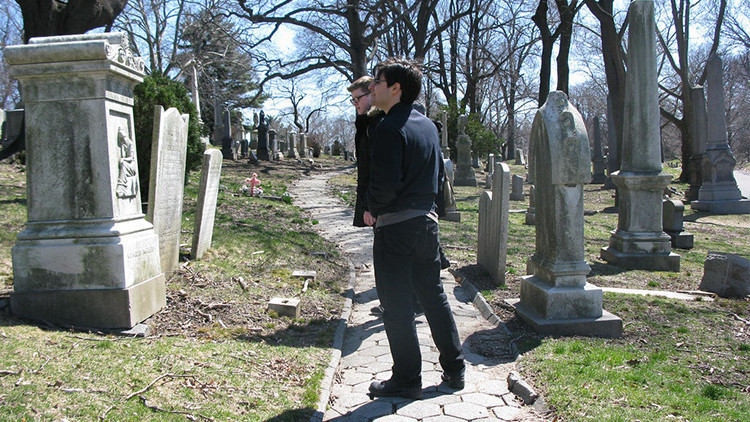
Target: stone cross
{"x":167,"y":182}
{"x":556,"y":299}
{"x":718,"y":193}
{"x":492,"y":233}
{"x":87,"y":256}
{"x":205,"y":212}
{"x":464,"y":171}
{"x":639,"y":241}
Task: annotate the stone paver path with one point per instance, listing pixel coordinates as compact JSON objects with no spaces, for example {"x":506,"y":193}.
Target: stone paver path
{"x":365,"y":356}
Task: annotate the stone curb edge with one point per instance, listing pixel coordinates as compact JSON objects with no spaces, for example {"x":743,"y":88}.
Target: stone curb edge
{"x":483,"y":307}
{"x":326,"y":384}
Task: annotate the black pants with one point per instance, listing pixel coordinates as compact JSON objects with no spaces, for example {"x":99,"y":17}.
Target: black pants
{"x":407,"y":262}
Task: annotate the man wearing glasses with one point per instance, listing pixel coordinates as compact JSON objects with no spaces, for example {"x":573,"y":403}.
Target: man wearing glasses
{"x":405,"y":165}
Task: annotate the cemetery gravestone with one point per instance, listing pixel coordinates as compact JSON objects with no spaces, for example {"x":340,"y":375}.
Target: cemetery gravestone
{"x":492,"y":242}
{"x":292,"y":151}
{"x":490,"y":171}
{"x":167,"y":182}
{"x":87,"y":256}
{"x":531,"y":210}
{"x":673,"y":224}
{"x":599,"y":162}
{"x":516,"y":193}
{"x":206,"y":210}
{"x":556,"y":299}
{"x":727,"y":275}
{"x":699,"y":129}
{"x":254,"y":140}
{"x":303,"y":145}
{"x":639,"y":241}
{"x":718,"y":193}
{"x":464,"y":171}
{"x":273,"y":144}
{"x":244,"y":148}
{"x":613,"y":146}
{"x":263,"y":152}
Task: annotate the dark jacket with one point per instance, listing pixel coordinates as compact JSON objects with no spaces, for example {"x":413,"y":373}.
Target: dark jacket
{"x":364,"y":124}
{"x":405,"y":163}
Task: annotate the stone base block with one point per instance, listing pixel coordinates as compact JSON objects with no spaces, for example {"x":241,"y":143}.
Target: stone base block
{"x":465,"y":182}
{"x":607,"y":325}
{"x":741,"y":206}
{"x":95,"y":308}
{"x":681,"y":240}
{"x":633,"y":261}
{"x":284,"y":306}
{"x":530,"y":219}
{"x":551,"y":302}
{"x":454,"y":216}
{"x":517,"y":197}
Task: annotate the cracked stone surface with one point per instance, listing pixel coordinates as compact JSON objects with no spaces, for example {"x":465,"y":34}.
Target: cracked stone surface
{"x":365,"y":354}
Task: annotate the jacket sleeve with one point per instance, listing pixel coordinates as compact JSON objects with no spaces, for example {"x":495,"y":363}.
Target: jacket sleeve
{"x":385,"y":168}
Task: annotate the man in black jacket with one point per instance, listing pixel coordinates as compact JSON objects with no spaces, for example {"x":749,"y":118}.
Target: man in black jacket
{"x":365,"y":121}
{"x":401,"y":200}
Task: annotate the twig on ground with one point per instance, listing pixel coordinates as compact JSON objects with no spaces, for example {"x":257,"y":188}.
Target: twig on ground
{"x":191,"y":416}
{"x":4,"y":372}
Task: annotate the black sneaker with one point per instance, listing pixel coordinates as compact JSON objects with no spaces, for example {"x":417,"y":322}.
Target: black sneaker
{"x":377,"y":310}
{"x":455,"y":382}
{"x":391,"y":389}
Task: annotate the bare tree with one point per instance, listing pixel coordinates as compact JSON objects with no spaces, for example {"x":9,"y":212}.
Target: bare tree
{"x":679,"y":42}
{"x":11,"y":28}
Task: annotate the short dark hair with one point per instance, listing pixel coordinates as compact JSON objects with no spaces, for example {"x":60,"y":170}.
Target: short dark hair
{"x":362,"y":83}
{"x":405,"y":72}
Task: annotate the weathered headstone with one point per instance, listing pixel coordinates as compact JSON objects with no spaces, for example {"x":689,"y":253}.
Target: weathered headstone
{"x":167,"y":182}
{"x":492,"y":233}
{"x":303,"y":152}
{"x":273,"y":144}
{"x":699,"y":130}
{"x":464,"y":171}
{"x":718,"y":193}
{"x":244,"y":147}
{"x":600,"y":163}
{"x":518,"y":157}
{"x":2,"y":124}
{"x":263,"y":146}
{"x":292,"y":151}
{"x":639,"y":241}
{"x":673,"y":224}
{"x":444,"y":134}
{"x":254,"y":139}
{"x":13,"y":123}
{"x":516,"y":193}
{"x":556,"y":299}
{"x":613,"y":146}
{"x":727,"y":275}
{"x":530,"y":219}
{"x":206,"y":210}
{"x":87,"y":256}
{"x":490,"y":171}
{"x":227,"y":143}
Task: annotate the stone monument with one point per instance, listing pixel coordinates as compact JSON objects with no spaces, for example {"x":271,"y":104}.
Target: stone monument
{"x":600,"y":163}
{"x":718,"y":193}
{"x":492,"y":241}
{"x":699,"y":130}
{"x":613,"y":146}
{"x":464,"y":171}
{"x":87,"y":256}
{"x":530,"y":218}
{"x":673,"y":224}
{"x":263,"y":153}
{"x":303,"y":153}
{"x":639,"y":241}
{"x":273,"y":145}
{"x":490,"y":171}
{"x":292,"y":151}
{"x":167,"y":182}
{"x":556,"y":299}
{"x":516,"y":193}
{"x":205,"y":212}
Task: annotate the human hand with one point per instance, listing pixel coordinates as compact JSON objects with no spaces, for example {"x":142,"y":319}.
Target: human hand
{"x":369,"y":219}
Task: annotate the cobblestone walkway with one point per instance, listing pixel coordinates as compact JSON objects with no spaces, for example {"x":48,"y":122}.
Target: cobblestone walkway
{"x":365,"y":356}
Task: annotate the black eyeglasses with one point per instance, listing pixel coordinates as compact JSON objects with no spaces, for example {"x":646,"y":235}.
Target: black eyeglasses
{"x":355,"y":100}
{"x":377,"y":81}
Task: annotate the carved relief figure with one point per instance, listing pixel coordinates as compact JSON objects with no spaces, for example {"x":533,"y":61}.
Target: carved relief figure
{"x":127,"y":180}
